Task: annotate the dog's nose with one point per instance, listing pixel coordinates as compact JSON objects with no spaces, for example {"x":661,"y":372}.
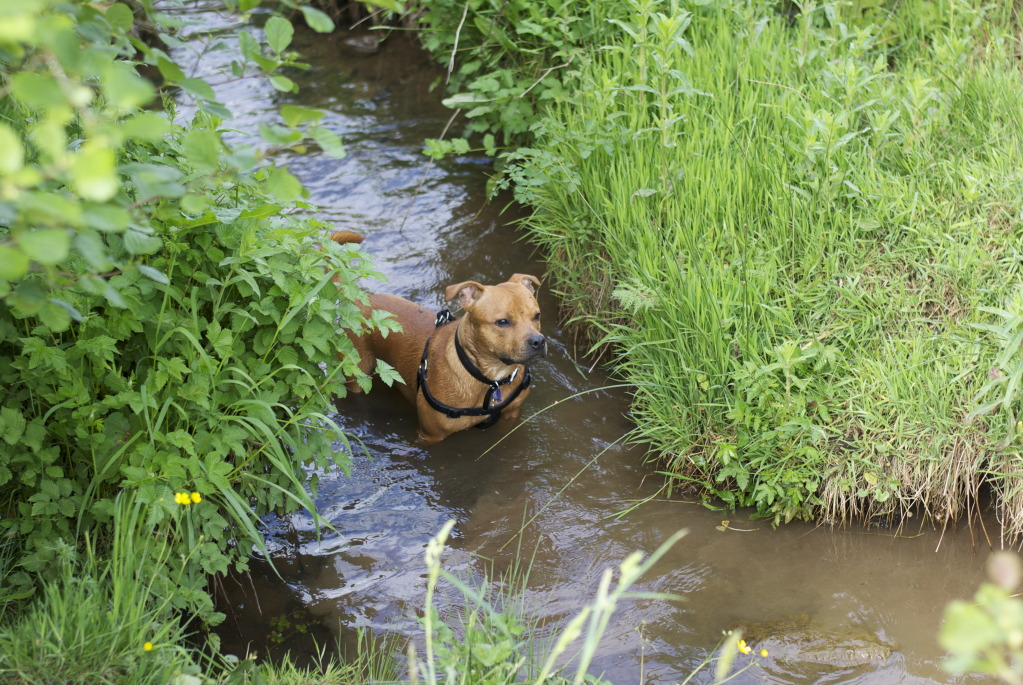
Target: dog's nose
{"x":538,"y":344}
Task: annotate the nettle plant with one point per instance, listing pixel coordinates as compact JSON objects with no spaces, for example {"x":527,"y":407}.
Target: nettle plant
{"x":781,"y":413}
{"x":167,"y":325}
{"x":507,"y":59}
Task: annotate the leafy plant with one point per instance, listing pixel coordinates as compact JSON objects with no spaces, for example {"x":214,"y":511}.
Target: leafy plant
{"x":104,"y":615}
{"x":506,"y":59}
{"x":781,"y":416}
{"x":166,"y":314}
{"x":986,"y":635}
{"x":1002,"y":392}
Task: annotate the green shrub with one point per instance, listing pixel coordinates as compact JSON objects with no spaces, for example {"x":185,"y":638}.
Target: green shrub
{"x":165,"y":316}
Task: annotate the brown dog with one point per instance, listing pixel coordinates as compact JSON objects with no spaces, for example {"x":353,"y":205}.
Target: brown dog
{"x":459,"y":372}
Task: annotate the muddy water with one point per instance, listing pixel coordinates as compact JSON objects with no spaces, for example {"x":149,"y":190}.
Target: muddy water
{"x":554,"y":487}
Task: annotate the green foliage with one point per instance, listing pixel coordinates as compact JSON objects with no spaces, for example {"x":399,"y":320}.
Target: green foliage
{"x":95,"y":615}
{"x":786,"y":228}
{"x":506,"y":59}
{"x":165,"y":313}
{"x":371,"y":663}
{"x":781,"y":421}
{"x":986,"y":635}
{"x":494,"y":640}
{"x":1002,"y":390}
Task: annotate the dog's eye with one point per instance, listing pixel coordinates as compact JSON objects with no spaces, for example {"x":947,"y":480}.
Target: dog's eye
{"x":502,"y":323}
{"x":537,"y":317}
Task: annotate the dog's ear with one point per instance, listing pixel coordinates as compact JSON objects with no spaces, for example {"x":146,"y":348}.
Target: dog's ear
{"x":467,"y":293}
{"x":531,"y":282}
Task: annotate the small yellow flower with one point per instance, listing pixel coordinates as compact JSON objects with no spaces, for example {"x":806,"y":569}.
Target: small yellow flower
{"x":148,"y":646}
{"x":763,"y":653}
{"x":743,"y":647}
{"x":196,"y":497}
{"x":182,"y":498}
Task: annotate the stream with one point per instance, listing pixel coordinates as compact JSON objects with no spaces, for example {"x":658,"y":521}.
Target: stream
{"x":864,"y":603}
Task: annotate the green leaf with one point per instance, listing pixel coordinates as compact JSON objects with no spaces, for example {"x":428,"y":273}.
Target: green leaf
{"x":260,"y":212}
{"x":91,"y":246}
{"x":194,"y":204}
{"x":249,"y":45}
{"x":202,"y":148}
{"x":37,"y":90}
{"x":220,"y":339}
{"x":47,"y":246}
{"x":387,"y":373}
{"x":124,"y":88}
{"x":459,"y":100}
{"x":12,"y":154}
{"x":71,"y":310}
{"x":283,"y":84}
{"x":114,"y":297}
{"x":283,"y":185}
{"x":154,"y":180}
{"x":13,"y":263}
{"x":54,"y":317}
{"x":279,"y":33}
{"x":328,"y":141}
{"x":968,"y":628}
{"x":295,"y":115}
{"x":389,"y":5}
{"x":101,"y":348}
{"x":169,"y":70}
{"x":198,"y":88}
{"x":139,"y":243}
{"x":12,"y":425}
{"x":148,"y":126}
{"x":106,"y":218}
{"x":120,"y":17}
{"x":153,"y":274}
{"x":93,"y":172}
{"x":42,"y":356}
{"x":316,"y":20}
{"x":278,"y":135}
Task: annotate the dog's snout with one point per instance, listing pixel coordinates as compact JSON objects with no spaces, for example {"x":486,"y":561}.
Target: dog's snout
{"x":538,"y":344}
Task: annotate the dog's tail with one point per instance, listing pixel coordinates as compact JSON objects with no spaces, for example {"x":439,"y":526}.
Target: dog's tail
{"x":343,"y":237}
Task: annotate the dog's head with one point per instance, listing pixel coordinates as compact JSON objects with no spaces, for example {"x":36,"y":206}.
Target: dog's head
{"x":505,"y":318}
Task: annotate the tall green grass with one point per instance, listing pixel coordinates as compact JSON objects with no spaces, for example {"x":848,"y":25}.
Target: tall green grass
{"x":786,"y":228}
{"x":102,"y":618}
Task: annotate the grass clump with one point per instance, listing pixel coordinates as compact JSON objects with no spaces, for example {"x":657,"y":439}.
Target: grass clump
{"x":100,"y":617}
{"x":799,"y":234}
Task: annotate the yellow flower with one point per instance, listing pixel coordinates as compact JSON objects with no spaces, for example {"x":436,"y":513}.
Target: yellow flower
{"x":182,"y":498}
{"x":196,"y":497}
{"x":743,"y":647}
{"x":148,"y":646}
{"x":763,"y":652}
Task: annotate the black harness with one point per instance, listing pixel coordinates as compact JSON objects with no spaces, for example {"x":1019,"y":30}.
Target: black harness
{"x":491,"y":411}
